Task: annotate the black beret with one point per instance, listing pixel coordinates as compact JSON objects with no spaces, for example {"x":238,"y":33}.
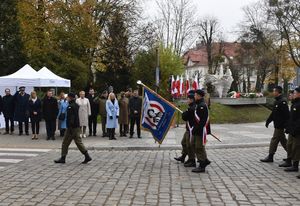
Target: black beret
{"x":297,"y":89}
{"x":22,"y":87}
{"x":192,"y":92}
{"x":72,"y":95}
{"x":278,"y":88}
{"x":191,"y":96}
{"x":200,"y":92}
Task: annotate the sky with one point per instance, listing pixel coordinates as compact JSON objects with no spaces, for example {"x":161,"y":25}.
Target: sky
{"x":228,"y":12}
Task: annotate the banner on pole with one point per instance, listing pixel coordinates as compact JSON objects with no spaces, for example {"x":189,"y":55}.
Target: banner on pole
{"x":157,"y":115}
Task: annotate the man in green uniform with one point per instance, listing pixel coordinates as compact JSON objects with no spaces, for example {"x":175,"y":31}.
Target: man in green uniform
{"x":188,"y":116}
{"x":293,"y":129}
{"x":72,"y":133}
{"x":200,"y":131}
{"x":280,"y":117}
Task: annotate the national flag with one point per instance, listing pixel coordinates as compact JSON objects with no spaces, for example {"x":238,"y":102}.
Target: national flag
{"x":173,"y":86}
{"x":177,"y":86}
{"x":181,"y":86}
{"x":187,"y":85}
{"x":195,"y":85}
{"x":157,"y":114}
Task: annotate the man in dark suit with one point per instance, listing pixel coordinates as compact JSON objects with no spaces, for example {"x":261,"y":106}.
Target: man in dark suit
{"x":50,"y":112}
{"x":21,"y":115}
{"x":135,"y":107}
{"x":8,"y":111}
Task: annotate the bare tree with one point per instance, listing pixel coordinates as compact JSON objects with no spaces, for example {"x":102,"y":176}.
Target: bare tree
{"x":176,"y":24}
{"x":286,"y":17}
{"x":208,"y":29}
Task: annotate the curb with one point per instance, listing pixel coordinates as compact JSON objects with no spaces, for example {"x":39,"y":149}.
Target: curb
{"x":164,"y":148}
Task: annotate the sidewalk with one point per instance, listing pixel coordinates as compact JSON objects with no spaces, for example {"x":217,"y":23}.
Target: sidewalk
{"x":232,"y":135}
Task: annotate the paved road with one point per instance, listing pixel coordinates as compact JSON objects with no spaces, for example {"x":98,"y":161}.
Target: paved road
{"x":235,"y":177}
{"x":230,"y":134}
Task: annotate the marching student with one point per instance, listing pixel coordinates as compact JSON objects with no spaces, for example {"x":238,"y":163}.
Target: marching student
{"x":293,"y":129}
{"x":188,"y":116}
{"x":199,"y":131}
{"x":280,"y":117}
{"x":73,"y":132}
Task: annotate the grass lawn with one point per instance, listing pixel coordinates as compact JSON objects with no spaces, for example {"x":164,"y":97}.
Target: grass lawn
{"x":221,"y":114}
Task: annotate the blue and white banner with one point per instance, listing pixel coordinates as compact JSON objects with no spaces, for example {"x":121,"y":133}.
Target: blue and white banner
{"x":157,"y":114}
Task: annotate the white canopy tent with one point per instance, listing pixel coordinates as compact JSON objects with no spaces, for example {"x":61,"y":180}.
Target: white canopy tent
{"x":26,"y":76}
{"x":49,"y":79}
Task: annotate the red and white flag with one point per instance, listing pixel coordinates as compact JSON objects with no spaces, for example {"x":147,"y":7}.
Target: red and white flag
{"x":173,"y":85}
{"x":195,"y":85}
{"x":181,"y":86}
{"x":187,"y":84}
{"x":177,"y":93}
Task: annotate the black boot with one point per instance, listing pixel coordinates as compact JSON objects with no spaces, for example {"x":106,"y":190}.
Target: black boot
{"x":200,"y":168}
{"x":181,"y":158}
{"x":109,"y":134}
{"x":298,"y":176}
{"x":269,"y":158}
{"x":287,"y":163}
{"x":61,"y":160}
{"x":293,"y":168}
{"x":190,"y":163}
{"x":87,"y":158}
{"x":113,"y":133}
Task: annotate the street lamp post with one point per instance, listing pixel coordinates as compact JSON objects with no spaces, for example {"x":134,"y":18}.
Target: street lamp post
{"x":157,"y":70}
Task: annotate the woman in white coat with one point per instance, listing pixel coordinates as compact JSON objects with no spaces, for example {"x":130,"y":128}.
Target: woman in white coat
{"x":84,"y":113}
{"x":112,"y":109}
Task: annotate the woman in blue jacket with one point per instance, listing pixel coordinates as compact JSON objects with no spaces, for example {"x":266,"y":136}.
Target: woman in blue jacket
{"x":62,"y":114}
{"x":112,"y":109}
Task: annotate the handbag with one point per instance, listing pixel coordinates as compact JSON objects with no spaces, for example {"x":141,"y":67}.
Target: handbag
{"x":62,"y":116}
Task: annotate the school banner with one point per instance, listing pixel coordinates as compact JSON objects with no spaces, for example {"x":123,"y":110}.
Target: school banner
{"x":157,"y":114}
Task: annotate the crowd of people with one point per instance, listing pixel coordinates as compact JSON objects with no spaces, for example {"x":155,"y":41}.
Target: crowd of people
{"x":24,"y":108}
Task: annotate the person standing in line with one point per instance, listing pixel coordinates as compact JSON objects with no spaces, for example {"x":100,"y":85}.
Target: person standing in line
{"x":8,"y":111}
{"x":50,"y":111}
{"x":135,"y":108}
{"x":62,"y":114}
{"x":280,"y":117}
{"x":102,"y":112}
{"x":72,"y":132}
{"x":84,"y":112}
{"x":128,"y":95}
{"x":112,"y":109}
{"x":124,"y":114}
{"x":21,"y":115}
{"x":293,"y":129}
{"x":35,"y":109}
{"x":94,"y":103}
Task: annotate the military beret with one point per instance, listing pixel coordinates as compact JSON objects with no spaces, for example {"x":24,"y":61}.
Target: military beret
{"x":22,"y":87}
{"x":72,"y":95}
{"x":200,"y":92}
{"x":297,"y":89}
{"x":278,"y":88}
{"x":191,"y":96}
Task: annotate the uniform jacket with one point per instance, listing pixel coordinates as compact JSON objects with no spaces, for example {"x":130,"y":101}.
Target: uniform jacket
{"x":8,"y":106}
{"x":94,"y":103}
{"x":21,"y":107}
{"x":72,"y":115}
{"x":280,"y":113}
{"x":35,"y":107}
{"x":189,"y":116}
{"x":112,"y":110}
{"x":50,"y":108}
{"x":135,"y":104}
{"x":84,"y":111}
{"x":63,"y":110}
{"x":293,"y":127}
{"x":201,"y":117}
{"x":102,"y":106}
{"x":124,"y":111}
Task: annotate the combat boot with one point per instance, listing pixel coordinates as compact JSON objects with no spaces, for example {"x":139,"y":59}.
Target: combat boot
{"x":61,"y":160}
{"x":87,"y":158}
{"x":181,"y":158}
{"x":190,"y":163}
{"x":287,"y":163}
{"x":200,"y":168}
{"x":293,"y":168}
{"x":269,"y":158}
